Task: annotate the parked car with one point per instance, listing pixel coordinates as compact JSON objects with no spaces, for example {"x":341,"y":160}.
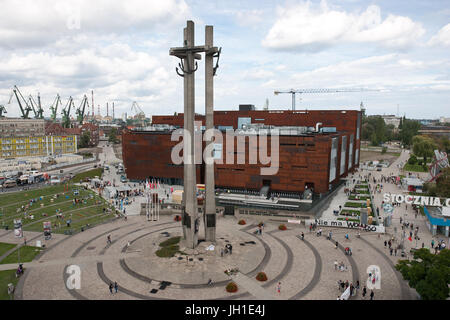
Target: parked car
{"x":55,"y":180}
{"x":123,"y":179}
{"x":10,"y":184}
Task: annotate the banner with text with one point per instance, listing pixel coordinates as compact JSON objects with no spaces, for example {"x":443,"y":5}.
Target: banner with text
{"x":345,"y":224}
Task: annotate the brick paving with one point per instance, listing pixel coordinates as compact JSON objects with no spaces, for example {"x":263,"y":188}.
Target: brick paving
{"x":304,"y":268}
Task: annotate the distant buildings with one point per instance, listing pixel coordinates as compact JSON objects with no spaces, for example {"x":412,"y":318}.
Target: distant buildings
{"x":52,"y":129}
{"x":16,"y":127}
{"x":392,"y":120}
{"x":19,"y":147}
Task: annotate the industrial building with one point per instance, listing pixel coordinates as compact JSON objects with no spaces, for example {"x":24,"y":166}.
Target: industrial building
{"x":18,"y":147}
{"x":12,"y":127}
{"x":317,"y":149}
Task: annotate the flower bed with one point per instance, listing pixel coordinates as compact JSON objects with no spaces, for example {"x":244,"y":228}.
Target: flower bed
{"x":282,"y":227}
{"x":348,"y":219}
{"x":261,"y":276}
{"x":242,"y":222}
{"x":355,"y":205}
{"x":231,"y":287}
{"x":358,"y":198}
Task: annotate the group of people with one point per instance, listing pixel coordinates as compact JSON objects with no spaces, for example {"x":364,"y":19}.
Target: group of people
{"x":114,"y":287}
{"x":340,"y":266}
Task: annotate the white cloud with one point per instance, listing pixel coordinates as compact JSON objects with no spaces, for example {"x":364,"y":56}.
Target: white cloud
{"x":442,"y":37}
{"x":31,"y":23}
{"x":307,"y":28}
{"x":115,"y":72}
{"x":391,"y":71}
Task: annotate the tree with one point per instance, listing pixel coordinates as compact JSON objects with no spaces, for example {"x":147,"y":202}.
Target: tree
{"x":113,"y":135}
{"x":409,"y":129}
{"x":443,"y":184}
{"x":423,"y":147}
{"x":85,"y":139}
{"x":429,"y":274}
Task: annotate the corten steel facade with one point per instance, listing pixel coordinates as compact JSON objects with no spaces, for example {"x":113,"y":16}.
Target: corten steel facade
{"x":305,"y":160}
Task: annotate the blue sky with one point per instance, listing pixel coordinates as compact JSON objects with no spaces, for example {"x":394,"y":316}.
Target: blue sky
{"x":121,"y":51}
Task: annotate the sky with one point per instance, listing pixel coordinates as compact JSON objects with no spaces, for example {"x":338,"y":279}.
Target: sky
{"x":120,"y":49}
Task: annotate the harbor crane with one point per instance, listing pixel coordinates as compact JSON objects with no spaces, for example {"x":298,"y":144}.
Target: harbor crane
{"x":81,"y":109}
{"x":25,"y":110}
{"x":66,"y":113}
{"x":54,"y":107}
{"x":2,"y":111}
{"x":140,"y":115}
{"x":293,"y":92}
{"x":38,"y":111}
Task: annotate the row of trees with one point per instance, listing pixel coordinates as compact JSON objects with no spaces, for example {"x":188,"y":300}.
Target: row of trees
{"x":375,"y":130}
{"x":428,"y":273}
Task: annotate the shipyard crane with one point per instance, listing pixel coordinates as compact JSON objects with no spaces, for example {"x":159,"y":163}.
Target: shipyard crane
{"x":81,"y":109}
{"x":293,"y":92}
{"x":140,"y":115}
{"x":2,"y":111}
{"x":25,"y":111}
{"x":54,"y":107}
{"x":38,"y":111}
{"x":66,"y":113}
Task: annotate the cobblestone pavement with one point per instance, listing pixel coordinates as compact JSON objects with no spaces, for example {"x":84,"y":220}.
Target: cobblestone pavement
{"x":305,"y":268}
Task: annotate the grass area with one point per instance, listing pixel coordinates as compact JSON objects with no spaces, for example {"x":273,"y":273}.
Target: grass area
{"x":4,"y":247}
{"x":88,"y":174}
{"x":88,"y":211}
{"x":415,"y":168}
{"x":363,"y":191}
{"x":350,"y":213}
{"x":349,"y":219}
{"x":169,"y":248}
{"x":362,"y":186}
{"x":6,"y":277}
{"x":397,"y":154}
{"x":27,"y":254}
{"x":359,"y":197}
{"x":355,"y":205}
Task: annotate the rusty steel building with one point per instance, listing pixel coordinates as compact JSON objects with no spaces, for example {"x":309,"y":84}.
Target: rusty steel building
{"x":316,"y":149}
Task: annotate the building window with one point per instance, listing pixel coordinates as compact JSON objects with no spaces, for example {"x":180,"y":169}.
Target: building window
{"x":343,"y":154}
{"x":350,"y":152}
{"x":333,"y":159}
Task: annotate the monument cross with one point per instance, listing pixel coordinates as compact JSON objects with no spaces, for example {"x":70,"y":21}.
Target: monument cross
{"x":188,"y":54}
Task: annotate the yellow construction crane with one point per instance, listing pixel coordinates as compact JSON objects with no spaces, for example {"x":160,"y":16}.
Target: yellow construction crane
{"x":300,"y":91}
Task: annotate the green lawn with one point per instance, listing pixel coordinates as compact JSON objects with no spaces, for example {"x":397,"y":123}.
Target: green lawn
{"x":53,"y":198}
{"x":6,"y":277}
{"x":27,"y":254}
{"x":349,"y":219}
{"x":415,"y":168}
{"x":4,"y":247}
{"x":355,"y":205}
{"x":88,"y":174}
{"x":350,"y":212}
{"x":360,"y":197}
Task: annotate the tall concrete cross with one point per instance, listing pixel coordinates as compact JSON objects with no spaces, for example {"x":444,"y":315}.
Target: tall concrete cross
{"x":188,"y":54}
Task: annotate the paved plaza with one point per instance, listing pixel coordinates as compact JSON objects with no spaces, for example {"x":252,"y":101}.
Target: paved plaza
{"x":305,"y":268}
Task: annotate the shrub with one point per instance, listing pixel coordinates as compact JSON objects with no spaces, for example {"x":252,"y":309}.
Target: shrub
{"x":231,"y":287}
{"x":242,"y":222}
{"x":412,"y":160}
{"x":167,"y":252}
{"x":282,"y":227}
{"x":261,"y":276}
{"x":384,"y":150}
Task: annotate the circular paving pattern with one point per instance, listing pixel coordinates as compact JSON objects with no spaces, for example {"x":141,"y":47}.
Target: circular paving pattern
{"x":304,"y":267}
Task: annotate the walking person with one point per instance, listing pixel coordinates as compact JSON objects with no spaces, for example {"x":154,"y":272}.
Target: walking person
{"x":111,"y":287}
{"x":364,"y":291}
{"x":279,"y":288}
{"x":371,"y":295}
{"x":116,"y":287}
